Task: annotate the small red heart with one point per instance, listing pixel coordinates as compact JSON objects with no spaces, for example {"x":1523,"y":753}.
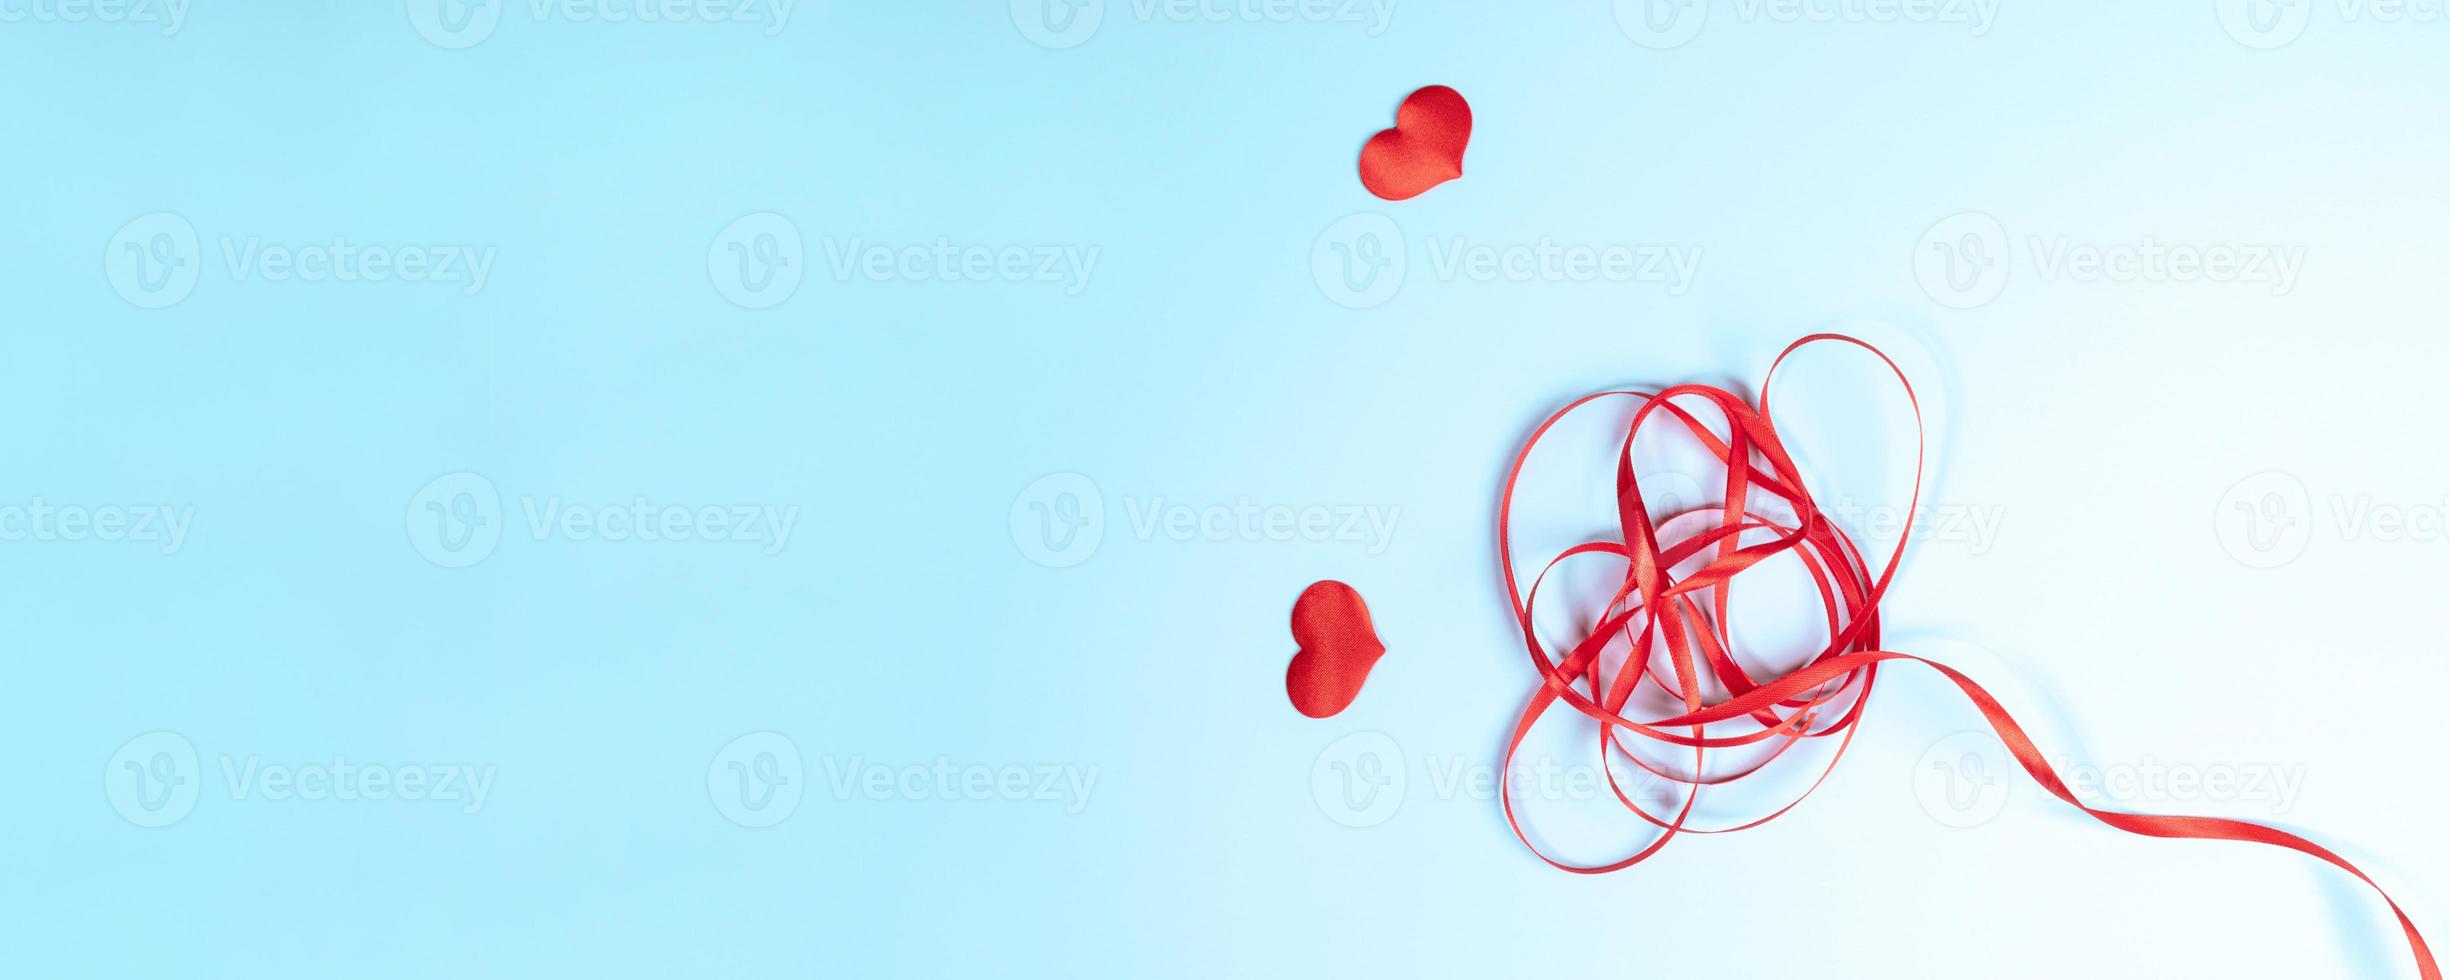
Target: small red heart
{"x":1338,"y":645}
{"x":1424,"y":149}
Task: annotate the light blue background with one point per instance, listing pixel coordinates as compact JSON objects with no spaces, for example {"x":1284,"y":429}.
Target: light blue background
{"x":1203,"y":364}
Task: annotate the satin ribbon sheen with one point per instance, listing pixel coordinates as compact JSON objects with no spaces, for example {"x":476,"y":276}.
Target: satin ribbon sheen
{"x":1687,"y":615}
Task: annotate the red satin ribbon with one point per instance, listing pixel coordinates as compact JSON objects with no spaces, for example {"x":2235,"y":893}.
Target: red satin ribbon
{"x":1654,"y":606}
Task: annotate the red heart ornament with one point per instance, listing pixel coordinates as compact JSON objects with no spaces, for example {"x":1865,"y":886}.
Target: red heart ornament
{"x":1338,"y":645}
{"x":1424,"y":149}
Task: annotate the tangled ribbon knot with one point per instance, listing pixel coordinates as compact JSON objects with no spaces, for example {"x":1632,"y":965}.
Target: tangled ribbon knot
{"x":1681,"y":619}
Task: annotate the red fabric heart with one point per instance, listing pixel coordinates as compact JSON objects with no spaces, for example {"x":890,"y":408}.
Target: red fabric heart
{"x":1424,"y":149}
{"x":1338,"y":645}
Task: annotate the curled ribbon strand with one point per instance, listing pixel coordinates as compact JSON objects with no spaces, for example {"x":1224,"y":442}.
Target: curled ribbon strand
{"x":1685,"y":618}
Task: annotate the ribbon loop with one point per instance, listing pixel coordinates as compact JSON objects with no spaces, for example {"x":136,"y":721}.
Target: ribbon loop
{"x":1654,"y":608}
